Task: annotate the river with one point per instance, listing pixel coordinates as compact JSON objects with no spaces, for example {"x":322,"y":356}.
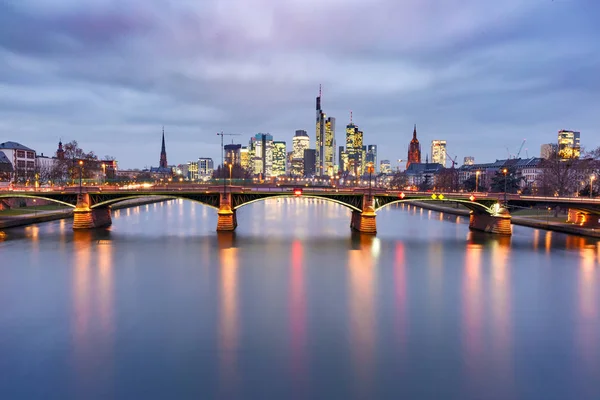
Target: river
{"x":294,"y":306}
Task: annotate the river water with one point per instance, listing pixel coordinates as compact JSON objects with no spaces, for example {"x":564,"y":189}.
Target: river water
{"x":293,"y":306}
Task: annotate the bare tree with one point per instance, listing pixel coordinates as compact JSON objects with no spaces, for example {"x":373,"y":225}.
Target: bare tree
{"x":563,"y":177}
{"x":399,"y":180}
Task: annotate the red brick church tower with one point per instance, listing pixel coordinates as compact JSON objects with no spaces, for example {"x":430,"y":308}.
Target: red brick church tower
{"x":414,"y":150}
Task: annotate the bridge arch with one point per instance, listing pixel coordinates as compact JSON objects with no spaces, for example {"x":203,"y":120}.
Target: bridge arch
{"x":353,"y":207}
{"x":471,"y":205}
{"x":112,"y":201}
{"x":36,"y":197}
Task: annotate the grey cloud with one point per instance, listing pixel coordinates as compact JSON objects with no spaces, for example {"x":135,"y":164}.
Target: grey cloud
{"x":503,"y":69}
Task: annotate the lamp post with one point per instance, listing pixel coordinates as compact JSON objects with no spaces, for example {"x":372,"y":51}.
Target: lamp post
{"x":224,"y":178}
{"x":103,"y":173}
{"x":592,"y":177}
{"x":230,"y":167}
{"x":477,"y":181}
{"x":370,"y":173}
{"x":80,"y":176}
{"x":505,"y":171}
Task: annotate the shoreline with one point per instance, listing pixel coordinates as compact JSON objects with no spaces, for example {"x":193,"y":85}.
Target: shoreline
{"x":47,"y":216}
{"x":521,"y":221}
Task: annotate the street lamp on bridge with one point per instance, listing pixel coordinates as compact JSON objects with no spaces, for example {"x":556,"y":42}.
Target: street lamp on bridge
{"x":80,"y":176}
{"x":592,"y":177}
{"x":477,"y":181}
{"x":505,"y":172}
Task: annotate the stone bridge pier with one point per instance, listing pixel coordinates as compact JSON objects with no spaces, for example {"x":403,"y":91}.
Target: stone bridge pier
{"x":365,"y":221}
{"x":491,"y":223}
{"x":85,"y":217}
{"x":227,"y":220}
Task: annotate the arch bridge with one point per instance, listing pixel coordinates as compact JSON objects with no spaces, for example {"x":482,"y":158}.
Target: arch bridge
{"x":91,"y":208}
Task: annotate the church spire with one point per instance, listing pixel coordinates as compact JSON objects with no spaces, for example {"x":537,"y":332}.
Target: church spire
{"x":163,"y":151}
{"x":415,"y":132}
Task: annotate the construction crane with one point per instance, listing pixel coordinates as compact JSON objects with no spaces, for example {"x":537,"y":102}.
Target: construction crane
{"x":451,"y":160}
{"x":223,"y":153}
{"x":521,"y":148}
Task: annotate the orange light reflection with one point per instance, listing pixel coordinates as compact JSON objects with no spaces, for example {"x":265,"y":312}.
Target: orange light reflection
{"x":228,"y":324}
{"x":363,"y":323}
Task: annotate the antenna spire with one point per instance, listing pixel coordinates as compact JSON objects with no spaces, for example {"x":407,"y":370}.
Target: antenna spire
{"x":350,"y":116}
{"x":319,"y":90}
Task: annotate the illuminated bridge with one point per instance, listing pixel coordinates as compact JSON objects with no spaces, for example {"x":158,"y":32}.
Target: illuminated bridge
{"x":91,"y":206}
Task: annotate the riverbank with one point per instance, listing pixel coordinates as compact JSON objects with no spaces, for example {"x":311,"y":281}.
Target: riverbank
{"x":562,"y":227}
{"x":37,"y":216}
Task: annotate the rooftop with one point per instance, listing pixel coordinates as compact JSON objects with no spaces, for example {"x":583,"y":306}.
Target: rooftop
{"x":14,"y":146}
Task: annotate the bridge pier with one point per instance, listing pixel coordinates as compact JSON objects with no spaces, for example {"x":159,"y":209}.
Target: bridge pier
{"x":583,"y":219}
{"x":85,"y":217}
{"x":498,"y":224}
{"x":365,"y":221}
{"x":227,"y":219}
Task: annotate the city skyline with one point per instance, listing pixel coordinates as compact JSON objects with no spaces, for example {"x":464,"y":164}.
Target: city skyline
{"x":484,"y":77}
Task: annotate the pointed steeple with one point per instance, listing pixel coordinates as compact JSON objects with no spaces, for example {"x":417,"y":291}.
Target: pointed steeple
{"x":163,"y":152}
{"x":415,"y":132}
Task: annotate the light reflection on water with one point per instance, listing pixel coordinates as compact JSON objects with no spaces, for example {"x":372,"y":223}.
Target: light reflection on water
{"x":162,"y":304}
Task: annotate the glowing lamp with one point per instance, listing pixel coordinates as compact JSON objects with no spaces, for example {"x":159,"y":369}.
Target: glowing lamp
{"x":472,"y":198}
{"x":401,"y":195}
{"x":298,"y":192}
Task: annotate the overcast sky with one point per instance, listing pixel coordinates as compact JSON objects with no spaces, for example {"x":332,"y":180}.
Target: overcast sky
{"x":482,"y":74}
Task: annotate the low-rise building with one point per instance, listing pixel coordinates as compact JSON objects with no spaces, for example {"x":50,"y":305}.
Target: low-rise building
{"x":22,"y":159}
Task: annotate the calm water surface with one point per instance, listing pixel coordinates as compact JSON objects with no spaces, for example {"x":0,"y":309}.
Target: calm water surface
{"x":294,"y":306}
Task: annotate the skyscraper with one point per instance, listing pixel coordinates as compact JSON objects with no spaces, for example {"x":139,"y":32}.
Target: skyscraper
{"x":354,"y":149}
{"x":325,"y":142}
{"x":261,"y":147}
{"x":310,"y":156}
{"x":163,"y":152}
{"x":233,"y":153}
{"x":385,"y":167}
{"x":279,"y":159}
{"x":568,"y":144}
{"x":372,"y":155}
{"x":244,"y":157}
{"x":414,"y":150}
{"x":300,"y":142}
{"x":438,"y":152}
{"x":329,"y":165}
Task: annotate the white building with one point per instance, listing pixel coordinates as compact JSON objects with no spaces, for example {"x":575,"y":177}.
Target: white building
{"x":385,"y":167}
{"x":438,"y":152}
{"x":205,"y":168}
{"x":22,"y":159}
{"x":300,"y":142}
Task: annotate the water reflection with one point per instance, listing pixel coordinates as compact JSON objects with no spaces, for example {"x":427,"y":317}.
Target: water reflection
{"x":473,"y":316}
{"x":501,"y":321}
{"x":228,"y":319}
{"x":401,"y":306}
{"x":589,"y":315}
{"x":423,"y":302}
{"x":362,"y":312}
{"x":82,"y":313}
{"x":297,"y":306}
